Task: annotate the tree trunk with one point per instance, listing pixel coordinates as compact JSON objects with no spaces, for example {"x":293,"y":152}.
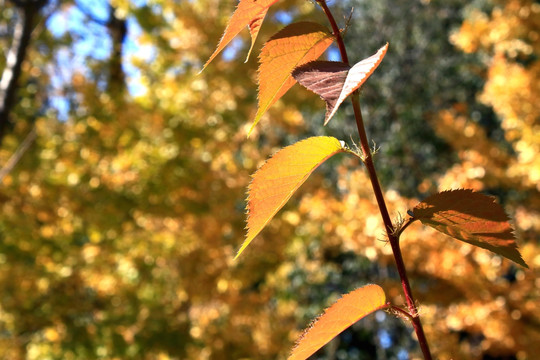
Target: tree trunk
{"x":118,"y":31}
{"x":28,"y":11}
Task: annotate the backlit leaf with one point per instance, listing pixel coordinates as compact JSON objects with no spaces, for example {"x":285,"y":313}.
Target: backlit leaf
{"x":470,"y":217}
{"x":294,"y":45}
{"x":254,"y":27}
{"x":338,"y":317}
{"x":249,"y":13}
{"x":334,"y":81}
{"x":324,"y":78}
{"x":277,"y":180}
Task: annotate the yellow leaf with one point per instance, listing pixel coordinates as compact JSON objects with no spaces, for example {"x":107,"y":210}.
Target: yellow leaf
{"x":338,"y":317}
{"x":294,"y":45}
{"x":277,"y":180}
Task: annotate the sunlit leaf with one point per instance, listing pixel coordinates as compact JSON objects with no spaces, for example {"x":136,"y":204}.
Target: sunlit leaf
{"x":248,"y":13}
{"x":334,"y":81}
{"x":277,"y":180}
{"x":294,"y":45}
{"x":470,"y":217}
{"x":254,"y":27}
{"x":338,"y":317}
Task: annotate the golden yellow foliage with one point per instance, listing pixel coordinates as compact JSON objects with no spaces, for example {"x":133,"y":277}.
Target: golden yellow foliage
{"x":119,"y":226}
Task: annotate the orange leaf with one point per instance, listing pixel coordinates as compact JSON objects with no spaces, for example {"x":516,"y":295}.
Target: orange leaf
{"x":334,"y":81}
{"x":277,"y":180}
{"x":470,"y":217}
{"x":294,"y":45}
{"x":338,"y":317}
{"x":249,"y":13}
{"x":254,"y":27}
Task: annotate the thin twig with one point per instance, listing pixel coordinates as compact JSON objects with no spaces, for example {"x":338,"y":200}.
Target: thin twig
{"x":405,"y":224}
{"x":17,"y":155}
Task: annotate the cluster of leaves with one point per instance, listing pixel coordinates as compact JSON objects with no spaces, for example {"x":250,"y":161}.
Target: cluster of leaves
{"x":483,"y":307}
{"x":462,"y":214}
{"x":115,"y":242}
{"x":114,"y":239}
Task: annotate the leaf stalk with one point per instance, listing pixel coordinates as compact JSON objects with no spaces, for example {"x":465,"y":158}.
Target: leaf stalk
{"x":399,"y":311}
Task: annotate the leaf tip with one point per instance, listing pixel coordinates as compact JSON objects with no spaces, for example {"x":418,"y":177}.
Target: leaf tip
{"x":249,"y":53}
{"x":250,"y":131}
{"x":327,"y":120}
{"x":256,"y":120}
{"x":206,"y":64}
{"x":242,"y":248}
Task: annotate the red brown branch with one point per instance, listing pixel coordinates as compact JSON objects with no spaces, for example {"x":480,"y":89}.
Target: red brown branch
{"x":368,"y":161}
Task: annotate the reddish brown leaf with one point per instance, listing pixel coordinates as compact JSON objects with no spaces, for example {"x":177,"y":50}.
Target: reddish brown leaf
{"x":249,"y":13}
{"x":294,"y":45}
{"x":341,"y":80}
{"x":324,"y":78}
{"x":470,"y":217}
{"x":338,"y":317}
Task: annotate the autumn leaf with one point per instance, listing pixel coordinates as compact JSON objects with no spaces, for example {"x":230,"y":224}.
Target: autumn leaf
{"x":324,"y":78}
{"x":470,"y":217}
{"x":338,"y":317}
{"x":277,"y":180}
{"x":248,"y":13}
{"x":294,"y":45}
{"x":334,"y":81}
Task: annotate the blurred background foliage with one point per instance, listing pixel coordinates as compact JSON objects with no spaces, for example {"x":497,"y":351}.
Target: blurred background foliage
{"x":124,"y":177}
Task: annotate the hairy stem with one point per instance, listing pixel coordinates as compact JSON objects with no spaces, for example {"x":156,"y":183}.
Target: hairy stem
{"x":401,"y":311}
{"x":368,"y":161}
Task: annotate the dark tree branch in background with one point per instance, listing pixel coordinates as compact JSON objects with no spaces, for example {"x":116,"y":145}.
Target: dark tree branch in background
{"x":118,"y":30}
{"x":30,"y":3}
{"x":15,"y":57}
{"x":82,"y":8}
